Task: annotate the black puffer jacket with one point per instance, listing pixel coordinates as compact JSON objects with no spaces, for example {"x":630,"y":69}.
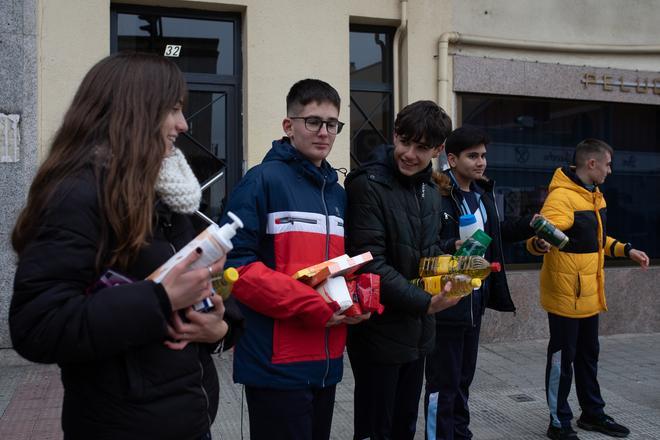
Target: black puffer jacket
{"x":397,"y":219}
{"x":495,"y":292}
{"x":120,"y":380}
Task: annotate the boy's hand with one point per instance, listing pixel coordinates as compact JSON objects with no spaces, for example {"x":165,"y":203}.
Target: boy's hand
{"x":458,"y":244}
{"x":352,"y":320}
{"x":541,"y":245}
{"x":441,"y":301}
{"x":639,"y":257}
{"x":336,"y":319}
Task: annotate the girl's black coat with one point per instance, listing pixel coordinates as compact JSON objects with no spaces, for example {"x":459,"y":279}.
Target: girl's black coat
{"x":120,"y":380}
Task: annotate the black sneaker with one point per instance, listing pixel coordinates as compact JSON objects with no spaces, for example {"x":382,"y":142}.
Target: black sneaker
{"x":604,"y":424}
{"x":561,"y":433}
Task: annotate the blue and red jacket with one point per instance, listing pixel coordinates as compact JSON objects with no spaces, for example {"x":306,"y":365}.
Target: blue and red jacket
{"x":293,"y":214}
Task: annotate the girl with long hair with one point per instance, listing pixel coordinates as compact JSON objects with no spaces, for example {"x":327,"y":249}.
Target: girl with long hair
{"x":115,"y":194}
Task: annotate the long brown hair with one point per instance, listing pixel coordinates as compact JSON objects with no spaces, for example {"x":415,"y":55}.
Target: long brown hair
{"x":113,"y":126}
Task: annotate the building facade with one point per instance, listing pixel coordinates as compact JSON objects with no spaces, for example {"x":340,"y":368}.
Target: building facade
{"x":538,"y":76}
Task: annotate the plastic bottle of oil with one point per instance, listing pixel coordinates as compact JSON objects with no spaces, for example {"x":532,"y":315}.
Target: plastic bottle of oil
{"x":472,"y":265}
{"x":223,"y":285}
{"x":461,"y":285}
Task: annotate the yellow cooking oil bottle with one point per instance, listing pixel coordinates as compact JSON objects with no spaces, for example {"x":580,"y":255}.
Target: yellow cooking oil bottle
{"x":461,"y":284}
{"x":471,"y":265}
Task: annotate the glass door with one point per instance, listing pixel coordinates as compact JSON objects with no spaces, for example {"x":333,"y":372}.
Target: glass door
{"x":206,"y":47}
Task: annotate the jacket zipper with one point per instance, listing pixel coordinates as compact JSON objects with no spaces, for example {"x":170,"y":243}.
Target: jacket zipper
{"x":206,"y":396}
{"x":578,"y":291}
{"x":295,"y":220}
{"x":421,"y":250}
{"x":453,"y":196}
{"x":327,"y":257}
{"x":201,"y":367}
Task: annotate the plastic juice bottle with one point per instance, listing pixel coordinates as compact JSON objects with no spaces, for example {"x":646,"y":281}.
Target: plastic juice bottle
{"x":472,"y":265}
{"x":549,"y":232}
{"x":223,"y":285}
{"x":476,"y":244}
{"x":461,"y":285}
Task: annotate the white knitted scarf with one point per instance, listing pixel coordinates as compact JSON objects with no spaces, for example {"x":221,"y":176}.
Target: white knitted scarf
{"x":176,"y":185}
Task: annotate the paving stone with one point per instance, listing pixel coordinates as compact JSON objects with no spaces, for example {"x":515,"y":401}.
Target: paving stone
{"x":507,"y":398}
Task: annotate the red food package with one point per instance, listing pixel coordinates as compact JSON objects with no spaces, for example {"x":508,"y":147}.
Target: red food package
{"x":355,"y":309}
{"x":368,"y":292}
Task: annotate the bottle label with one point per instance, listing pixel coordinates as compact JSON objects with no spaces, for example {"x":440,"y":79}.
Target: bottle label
{"x":549,"y":232}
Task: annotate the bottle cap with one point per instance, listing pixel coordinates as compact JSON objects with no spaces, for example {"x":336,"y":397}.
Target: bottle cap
{"x":230,"y":275}
{"x":467,"y":220}
{"x":228,"y":230}
{"x":495,"y":267}
{"x":475,"y":282}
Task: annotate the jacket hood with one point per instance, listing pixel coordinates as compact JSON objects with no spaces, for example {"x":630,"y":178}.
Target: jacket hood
{"x":445,"y":183}
{"x":566,"y":178}
{"x":382,"y":167}
{"x":282,"y":151}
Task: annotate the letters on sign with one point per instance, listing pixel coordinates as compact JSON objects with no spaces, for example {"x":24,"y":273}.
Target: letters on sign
{"x":611,"y":83}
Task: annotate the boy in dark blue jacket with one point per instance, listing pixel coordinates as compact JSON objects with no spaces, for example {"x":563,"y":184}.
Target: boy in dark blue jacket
{"x":450,"y":367}
{"x":290,"y":357}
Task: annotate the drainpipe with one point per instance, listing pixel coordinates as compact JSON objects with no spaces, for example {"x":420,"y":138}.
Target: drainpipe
{"x":477,"y":40}
{"x":400,"y":31}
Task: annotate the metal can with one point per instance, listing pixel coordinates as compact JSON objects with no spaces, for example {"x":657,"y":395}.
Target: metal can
{"x":549,"y":232}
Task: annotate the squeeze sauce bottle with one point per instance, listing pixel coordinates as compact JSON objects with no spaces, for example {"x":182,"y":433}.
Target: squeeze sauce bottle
{"x":467,"y":225}
{"x":215,"y":242}
{"x":461,"y":285}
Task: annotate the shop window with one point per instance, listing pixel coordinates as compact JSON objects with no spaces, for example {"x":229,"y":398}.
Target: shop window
{"x":532,"y":137}
{"x":371,"y":115}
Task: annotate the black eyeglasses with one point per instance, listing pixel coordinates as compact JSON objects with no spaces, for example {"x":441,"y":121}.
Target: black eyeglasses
{"x":314,"y":124}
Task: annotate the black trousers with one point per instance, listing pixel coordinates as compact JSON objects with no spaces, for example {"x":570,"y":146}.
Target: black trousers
{"x":304,"y":414}
{"x":573,"y":346}
{"x":386,"y":399}
{"x":449,"y":372}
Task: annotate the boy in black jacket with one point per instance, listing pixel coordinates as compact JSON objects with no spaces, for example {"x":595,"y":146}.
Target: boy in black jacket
{"x":450,"y":368}
{"x":394,"y":212}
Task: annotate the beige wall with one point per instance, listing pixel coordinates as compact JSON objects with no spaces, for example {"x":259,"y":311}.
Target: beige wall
{"x":73,"y":35}
{"x":284,"y":41}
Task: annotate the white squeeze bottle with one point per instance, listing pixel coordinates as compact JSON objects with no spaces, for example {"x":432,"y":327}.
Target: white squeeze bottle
{"x":215,"y":241}
{"x":467,"y":225}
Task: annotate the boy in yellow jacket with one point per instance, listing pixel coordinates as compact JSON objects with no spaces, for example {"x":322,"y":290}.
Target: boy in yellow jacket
{"x":572,"y":289}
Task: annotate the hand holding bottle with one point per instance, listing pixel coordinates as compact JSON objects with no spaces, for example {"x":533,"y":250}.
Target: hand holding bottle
{"x":204,"y":327}
{"x":442,"y":301}
{"x":185,"y":287}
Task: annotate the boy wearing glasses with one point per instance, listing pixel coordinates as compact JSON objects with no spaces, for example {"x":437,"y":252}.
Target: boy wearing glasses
{"x":292,"y":206}
{"x":394,"y":212}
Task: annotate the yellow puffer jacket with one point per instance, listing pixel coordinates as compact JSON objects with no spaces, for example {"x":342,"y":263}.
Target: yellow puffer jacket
{"x":572,"y":279}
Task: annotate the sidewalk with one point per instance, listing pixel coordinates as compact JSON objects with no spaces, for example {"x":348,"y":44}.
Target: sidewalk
{"x":507,"y":399}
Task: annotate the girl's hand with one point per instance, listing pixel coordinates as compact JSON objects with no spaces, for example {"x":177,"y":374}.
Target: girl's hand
{"x":186,"y":287}
{"x":203,"y":327}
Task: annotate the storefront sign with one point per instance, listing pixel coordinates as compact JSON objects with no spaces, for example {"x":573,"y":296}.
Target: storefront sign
{"x":611,"y":83}
{"x":545,"y":157}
